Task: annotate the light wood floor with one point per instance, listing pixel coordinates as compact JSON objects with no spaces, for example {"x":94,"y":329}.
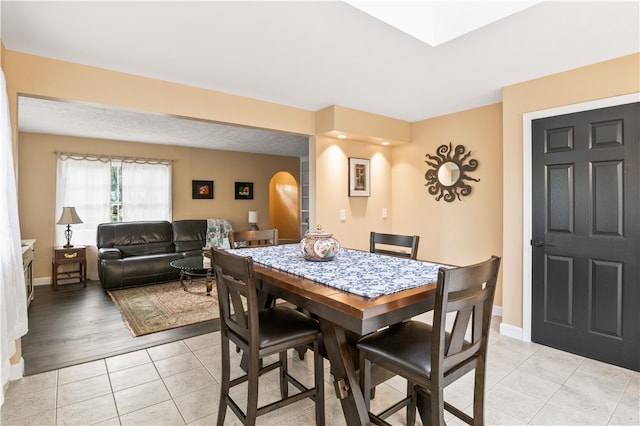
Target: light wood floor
{"x":75,"y":325}
{"x":178,"y":384}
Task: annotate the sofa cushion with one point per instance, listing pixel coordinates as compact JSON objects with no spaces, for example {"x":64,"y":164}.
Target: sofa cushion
{"x":138,"y":270}
{"x":145,"y":249}
{"x":189,"y":234}
{"x":137,"y":238}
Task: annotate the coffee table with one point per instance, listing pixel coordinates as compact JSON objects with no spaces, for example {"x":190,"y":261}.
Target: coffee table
{"x":193,"y":267}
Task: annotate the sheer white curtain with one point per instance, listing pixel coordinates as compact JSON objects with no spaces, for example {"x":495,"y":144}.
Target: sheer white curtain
{"x":146,"y":191}
{"x":83,"y":183}
{"x":13,"y":297}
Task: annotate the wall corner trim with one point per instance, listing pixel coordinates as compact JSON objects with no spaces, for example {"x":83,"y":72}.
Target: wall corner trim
{"x":17,"y":370}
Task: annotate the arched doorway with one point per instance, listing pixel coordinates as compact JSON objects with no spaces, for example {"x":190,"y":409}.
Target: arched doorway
{"x":284,"y":205}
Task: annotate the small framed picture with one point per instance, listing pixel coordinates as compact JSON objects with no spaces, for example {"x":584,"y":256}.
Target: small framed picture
{"x":244,"y":190}
{"x":202,"y":189}
{"x":359,"y":177}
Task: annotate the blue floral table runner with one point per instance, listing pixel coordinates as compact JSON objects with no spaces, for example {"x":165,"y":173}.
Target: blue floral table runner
{"x":363,"y":273}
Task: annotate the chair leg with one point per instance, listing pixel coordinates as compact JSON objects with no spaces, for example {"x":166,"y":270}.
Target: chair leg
{"x":365,"y":381}
{"x":225,"y":380}
{"x":284,"y":371}
{"x":301,"y":351}
{"x":478,"y":393}
{"x":423,"y":402}
{"x":430,"y":405}
{"x":319,"y":384}
{"x":252,"y":388}
{"x":411,"y":406}
{"x":437,"y":404}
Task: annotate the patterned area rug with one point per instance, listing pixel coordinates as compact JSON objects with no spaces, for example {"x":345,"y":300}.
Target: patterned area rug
{"x":152,"y":308}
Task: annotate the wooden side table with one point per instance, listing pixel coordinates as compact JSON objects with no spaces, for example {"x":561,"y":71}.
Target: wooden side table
{"x":27,"y":265}
{"x":63,"y":256}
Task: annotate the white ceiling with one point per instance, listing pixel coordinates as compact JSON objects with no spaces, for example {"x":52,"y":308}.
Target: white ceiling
{"x":103,"y":122}
{"x":305,"y":54}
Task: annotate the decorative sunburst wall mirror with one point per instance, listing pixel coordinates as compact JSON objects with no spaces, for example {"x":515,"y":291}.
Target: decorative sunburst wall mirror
{"x":447,"y":179}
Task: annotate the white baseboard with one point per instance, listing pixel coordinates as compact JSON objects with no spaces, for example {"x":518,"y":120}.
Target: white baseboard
{"x":496,"y":311}
{"x":506,"y":329}
{"x":511,"y":331}
{"x":5,"y":389}
{"x":17,"y":370}
{"x":49,"y":281}
{"x":42,"y":281}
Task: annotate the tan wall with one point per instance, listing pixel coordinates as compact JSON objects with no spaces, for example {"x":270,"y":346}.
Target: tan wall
{"x":361,"y":126}
{"x":393,"y":169}
{"x":37,"y":183}
{"x":603,"y":80}
{"x":363,"y":214}
{"x":38,"y":76}
{"x":459,"y":232}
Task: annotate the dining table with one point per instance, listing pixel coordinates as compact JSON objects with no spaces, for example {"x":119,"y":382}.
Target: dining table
{"x":356,"y":291}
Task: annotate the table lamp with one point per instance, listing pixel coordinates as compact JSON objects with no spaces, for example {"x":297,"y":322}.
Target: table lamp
{"x":68,"y":217}
{"x":253,"y":220}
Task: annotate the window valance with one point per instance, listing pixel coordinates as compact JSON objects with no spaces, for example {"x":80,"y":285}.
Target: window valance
{"x":108,"y":158}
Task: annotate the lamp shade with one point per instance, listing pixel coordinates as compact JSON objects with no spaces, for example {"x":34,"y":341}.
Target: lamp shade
{"x":69,"y":216}
{"x":253,"y":216}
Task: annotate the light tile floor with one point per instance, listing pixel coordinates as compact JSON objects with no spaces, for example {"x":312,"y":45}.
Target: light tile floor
{"x":178,"y":384}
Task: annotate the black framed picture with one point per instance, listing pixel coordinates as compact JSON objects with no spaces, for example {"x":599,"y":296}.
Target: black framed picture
{"x":244,"y":190}
{"x":202,"y":189}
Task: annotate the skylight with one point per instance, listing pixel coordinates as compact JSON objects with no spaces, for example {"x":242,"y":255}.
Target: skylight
{"x":436,"y":22}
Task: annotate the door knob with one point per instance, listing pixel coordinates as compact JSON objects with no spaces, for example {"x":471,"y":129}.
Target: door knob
{"x":540,"y":243}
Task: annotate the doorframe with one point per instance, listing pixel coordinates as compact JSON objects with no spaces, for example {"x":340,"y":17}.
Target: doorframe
{"x":527,"y":179}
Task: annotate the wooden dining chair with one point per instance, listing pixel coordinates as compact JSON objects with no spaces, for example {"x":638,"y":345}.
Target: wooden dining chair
{"x":394,"y":244}
{"x":428,"y":356}
{"x":260,"y":333}
{"x":391,"y":245}
{"x":257,"y":238}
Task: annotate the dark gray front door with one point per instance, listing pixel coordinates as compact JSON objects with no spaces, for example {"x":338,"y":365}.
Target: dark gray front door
{"x":586,"y":222}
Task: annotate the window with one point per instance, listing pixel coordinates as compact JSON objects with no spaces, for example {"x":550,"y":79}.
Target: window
{"x":104,"y":189}
{"x":116,"y":192}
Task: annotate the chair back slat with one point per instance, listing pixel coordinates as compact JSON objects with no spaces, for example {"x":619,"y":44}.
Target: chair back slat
{"x":458,"y":331}
{"x":254,"y":238}
{"x":468,"y":353}
{"x":468,"y":292}
{"x":394,"y":244}
{"x":458,"y":301}
{"x":237,"y":296}
{"x":238,"y":316}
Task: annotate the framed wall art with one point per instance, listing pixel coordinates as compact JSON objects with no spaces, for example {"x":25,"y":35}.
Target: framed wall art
{"x":448,"y":178}
{"x":244,"y":190}
{"x":359,"y":177}
{"x":202,"y":189}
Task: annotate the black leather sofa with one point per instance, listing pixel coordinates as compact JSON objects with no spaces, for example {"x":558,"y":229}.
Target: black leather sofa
{"x":138,"y":253}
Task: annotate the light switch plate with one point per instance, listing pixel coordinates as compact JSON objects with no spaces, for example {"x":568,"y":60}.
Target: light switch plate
{"x":343,"y":214}
{"x":384,"y":213}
